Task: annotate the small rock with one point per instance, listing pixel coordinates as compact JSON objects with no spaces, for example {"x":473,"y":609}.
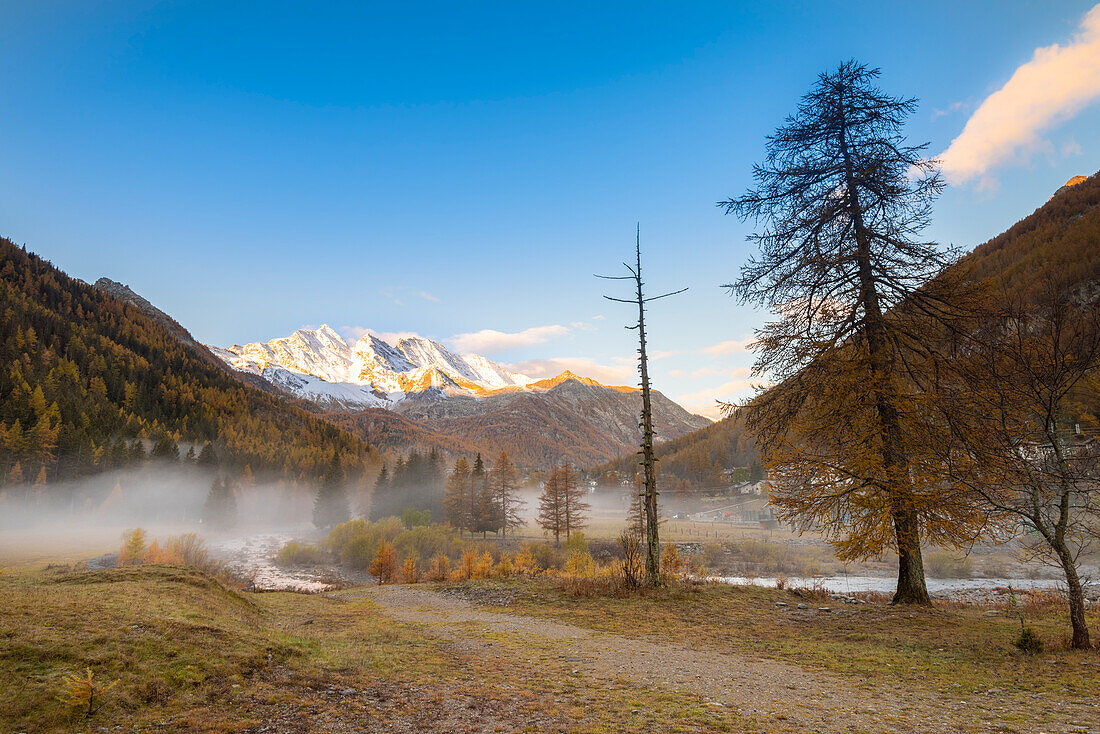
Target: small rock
{"x":824,"y":609}
{"x":781,"y":603}
{"x":803,"y":606}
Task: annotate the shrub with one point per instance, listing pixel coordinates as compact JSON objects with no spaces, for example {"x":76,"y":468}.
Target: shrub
{"x":580,"y":564}
{"x":439,"y":569}
{"x":524,"y":563}
{"x":359,"y":552}
{"x":672,"y":566}
{"x":1029,"y":642}
{"x":133,"y":547}
{"x":944,"y":565}
{"x":425,"y":541}
{"x":384,"y":565}
{"x":576,"y":542}
{"x":299,"y":554}
{"x":410,"y":574}
{"x":504,"y":567}
{"x":483,"y":566}
{"x":631,"y":566}
{"x":545,"y":556}
{"x":466,"y":565}
{"x":83,"y":692}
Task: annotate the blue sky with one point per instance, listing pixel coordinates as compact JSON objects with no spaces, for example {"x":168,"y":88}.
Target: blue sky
{"x":450,"y":168}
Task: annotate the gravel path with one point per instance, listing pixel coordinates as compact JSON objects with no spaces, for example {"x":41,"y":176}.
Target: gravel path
{"x":783,"y":695}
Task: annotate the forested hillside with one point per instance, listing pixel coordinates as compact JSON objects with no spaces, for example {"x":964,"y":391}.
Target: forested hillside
{"x":1060,"y":239}
{"x":90,"y":382}
{"x":702,"y":459}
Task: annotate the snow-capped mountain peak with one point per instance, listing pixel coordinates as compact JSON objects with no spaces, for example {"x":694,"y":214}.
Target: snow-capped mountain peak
{"x":368,"y":373}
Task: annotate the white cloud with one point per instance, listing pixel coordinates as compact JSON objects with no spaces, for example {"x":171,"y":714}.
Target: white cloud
{"x":734,"y":372}
{"x":733,"y":346}
{"x":583,"y":366}
{"x":675,"y":373}
{"x":488,"y":341}
{"x":1052,"y":87}
{"x":427,"y":296}
{"x":951,"y":109}
{"x":705,"y":402}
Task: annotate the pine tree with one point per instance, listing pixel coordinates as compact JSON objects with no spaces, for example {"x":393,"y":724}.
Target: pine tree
{"x":220,"y":509}
{"x":207,"y":456}
{"x":330,"y":507}
{"x":456,"y":499}
{"x":552,"y":506}
{"x":503,"y":484}
{"x":574,"y":508}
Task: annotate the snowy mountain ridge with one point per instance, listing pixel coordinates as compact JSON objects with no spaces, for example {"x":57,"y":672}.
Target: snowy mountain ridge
{"x":321,"y":366}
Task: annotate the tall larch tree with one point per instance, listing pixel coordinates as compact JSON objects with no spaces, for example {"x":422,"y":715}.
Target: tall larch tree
{"x":504,"y":490}
{"x":551,"y":516}
{"x":574,"y":507}
{"x":840,"y":203}
{"x":456,"y":496}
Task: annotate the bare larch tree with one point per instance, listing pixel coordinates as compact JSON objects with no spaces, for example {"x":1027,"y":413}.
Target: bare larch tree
{"x":649,"y":461}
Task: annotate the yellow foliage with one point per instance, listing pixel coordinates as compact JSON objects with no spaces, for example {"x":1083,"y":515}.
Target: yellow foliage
{"x":410,"y":574}
{"x":523,"y":562}
{"x":133,"y":547}
{"x":82,"y":691}
{"x":384,"y":565}
{"x":439,"y":569}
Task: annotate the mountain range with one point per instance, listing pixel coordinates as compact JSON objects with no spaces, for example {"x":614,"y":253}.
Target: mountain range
{"x":416,"y":392}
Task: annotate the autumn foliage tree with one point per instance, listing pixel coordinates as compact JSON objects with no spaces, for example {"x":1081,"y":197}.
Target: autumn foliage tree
{"x":840,"y":203}
{"x":1012,"y":428}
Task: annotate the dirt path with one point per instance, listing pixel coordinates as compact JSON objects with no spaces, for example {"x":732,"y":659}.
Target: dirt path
{"x":775,"y":694}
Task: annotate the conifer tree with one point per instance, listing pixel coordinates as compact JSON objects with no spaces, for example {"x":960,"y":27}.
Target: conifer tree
{"x":552,"y":506}
{"x":330,"y":507}
{"x":503,"y":484}
{"x":220,"y":509}
{"x":574,"y":508}
{"x":456,"y":497}
{"x":840,"y":203}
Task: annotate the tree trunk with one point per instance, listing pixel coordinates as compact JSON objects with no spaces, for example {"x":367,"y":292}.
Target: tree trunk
{"x":1076,"y":600}
{"x":912,"y":588}
{"x":653,"y":545}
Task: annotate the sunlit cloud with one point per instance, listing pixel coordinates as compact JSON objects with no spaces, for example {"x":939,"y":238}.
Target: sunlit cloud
{"x":583,"y":366}
{"x":1057,"y":83}
{"x":734,"y":372}
{"x":733,"y":346}
{"x":706,"y":402}
{"x":488,"y":341}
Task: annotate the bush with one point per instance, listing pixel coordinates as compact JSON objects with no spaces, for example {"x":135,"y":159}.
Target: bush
{"x":410,"y":574}
{"x":299,"y":554}
{"x":133,"y":547}
{"x":672,"y":566}
{"x":384,"y":565}
{"x":524,"y":563}
{"x":1029,"y":642}
{"x":545,"y":556}
{"x":944,"y":565}
{"x":439,"y":569}
{"x":425,"y":541}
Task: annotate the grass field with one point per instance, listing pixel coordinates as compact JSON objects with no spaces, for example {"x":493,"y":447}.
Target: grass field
{"x":190,"y":654}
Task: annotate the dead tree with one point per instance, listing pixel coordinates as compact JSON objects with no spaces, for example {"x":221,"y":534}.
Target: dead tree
{"x":649,"y":461}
